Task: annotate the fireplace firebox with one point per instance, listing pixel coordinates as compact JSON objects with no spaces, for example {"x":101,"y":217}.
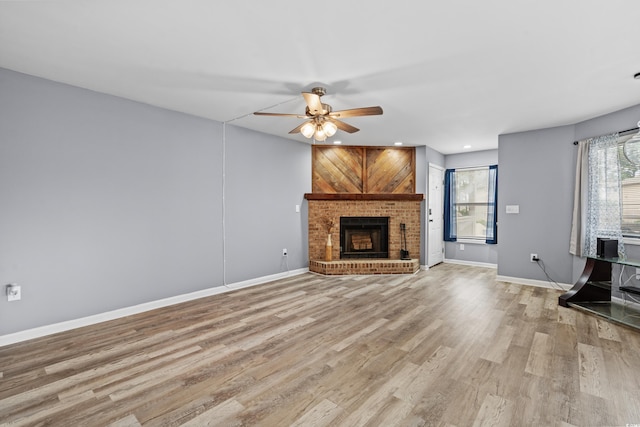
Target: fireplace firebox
{"x":364,"y":237}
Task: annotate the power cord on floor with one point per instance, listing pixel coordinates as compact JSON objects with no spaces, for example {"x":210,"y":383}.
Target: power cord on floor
{"x":552,"y":282}
{"x":285,"y":263}
{"x":627,"y":295}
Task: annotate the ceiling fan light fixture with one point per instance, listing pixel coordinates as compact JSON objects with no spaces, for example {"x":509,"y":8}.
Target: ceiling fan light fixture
{"x":320,"y":135}
{"x":329,"y":128}
{"x":322,"y":122}
{"x":308,"y":129}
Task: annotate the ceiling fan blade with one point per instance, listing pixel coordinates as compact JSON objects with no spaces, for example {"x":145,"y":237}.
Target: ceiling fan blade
{"x":343,"y":126}
{"x":355,"y":112}
{"x":297,"y":129}
{"x":313,"y":102}
{"x":260,"y":113}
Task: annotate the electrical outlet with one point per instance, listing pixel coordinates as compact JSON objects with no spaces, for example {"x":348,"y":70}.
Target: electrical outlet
{"x":284,"y":252}
{"x":534,"y":257}
{"x":637,"y":273}
{"x":14,"y":293}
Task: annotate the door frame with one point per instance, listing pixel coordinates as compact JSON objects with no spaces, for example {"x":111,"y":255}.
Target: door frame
{"x":441,"y":213}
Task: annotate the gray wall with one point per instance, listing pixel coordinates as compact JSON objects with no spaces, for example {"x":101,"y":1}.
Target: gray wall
{"x":266,"y":177}
{"x":472,"y":252}
{"x":425,"y":156}
{"x":472,"y":159}
{"x":109,"y":203}
{"x":536,"y":173}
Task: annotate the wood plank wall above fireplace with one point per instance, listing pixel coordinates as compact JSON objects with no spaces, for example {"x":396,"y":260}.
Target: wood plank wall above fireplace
{"x":368,"y":170}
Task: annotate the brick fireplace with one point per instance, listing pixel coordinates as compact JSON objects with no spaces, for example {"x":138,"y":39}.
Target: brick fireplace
{"x":377,"y":184}
{"x":399,"y":208}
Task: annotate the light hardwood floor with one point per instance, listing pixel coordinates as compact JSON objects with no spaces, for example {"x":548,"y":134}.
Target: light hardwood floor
{"x":445,"y":347}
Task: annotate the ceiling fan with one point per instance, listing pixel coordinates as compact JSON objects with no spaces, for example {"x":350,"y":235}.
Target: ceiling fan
{"x":322,"y":122}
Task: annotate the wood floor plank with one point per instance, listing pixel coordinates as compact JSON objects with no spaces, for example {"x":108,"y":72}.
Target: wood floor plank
{"x":539,"y":361}
{"x":407,"y":316}
{"x":495,"y":411}
{"x":347,"y":341}
{"x":449,"y":346}
{"x":607,"y":331}
{"x":218,"y":415}
{"x":422,"y":335}
{"x":320,"y":415}
{"x":534,"y":308}
{"x":498,"y":347}
{"x":128,"y":421}
{"x":422,"y":377}
{"x":593,"y":377}
{"x":566,"y":316}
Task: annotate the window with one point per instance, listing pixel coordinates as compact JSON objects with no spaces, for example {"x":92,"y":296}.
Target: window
{"x":628,"y":156}
{"x":470,"y":204}
{"x":607,"y":193}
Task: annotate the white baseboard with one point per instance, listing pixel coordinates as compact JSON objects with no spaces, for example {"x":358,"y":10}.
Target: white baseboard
{"x":532,"y":282}
{"x":139,"y":308}
{"x":471,"y":263}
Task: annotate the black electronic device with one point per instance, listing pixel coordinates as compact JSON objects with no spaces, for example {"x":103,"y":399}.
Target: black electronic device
{"x":607,"y":248}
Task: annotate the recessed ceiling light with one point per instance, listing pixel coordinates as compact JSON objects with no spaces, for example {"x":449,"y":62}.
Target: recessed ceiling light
{"x":466,"y":147}
{"x":397,"y":143}
{"x":636,"y":76}
{"x":337,"y":142}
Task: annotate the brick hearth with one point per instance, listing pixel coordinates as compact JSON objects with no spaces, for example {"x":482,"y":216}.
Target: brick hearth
{"x":365,"y":266}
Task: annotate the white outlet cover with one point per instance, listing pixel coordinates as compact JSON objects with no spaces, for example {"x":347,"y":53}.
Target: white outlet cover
{"x":513,"y":209}
{"x":14,"y":293}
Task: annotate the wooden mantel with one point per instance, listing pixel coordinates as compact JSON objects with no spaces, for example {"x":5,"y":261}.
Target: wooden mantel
{"x":364,"y":196}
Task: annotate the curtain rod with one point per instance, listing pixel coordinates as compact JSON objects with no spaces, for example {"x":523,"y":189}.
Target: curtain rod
{"x":621,"y":133}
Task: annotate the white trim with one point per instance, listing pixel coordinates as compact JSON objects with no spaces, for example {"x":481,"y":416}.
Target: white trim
{"x":532,"y":282}
{"x":472,"y":168}
{"x":470,"y":241}
{"x":434,"y":242}
{"x":425,"y":267}
{"x":139,"y":308}
{"x":631,"y":241}
{"x":471,"y":263}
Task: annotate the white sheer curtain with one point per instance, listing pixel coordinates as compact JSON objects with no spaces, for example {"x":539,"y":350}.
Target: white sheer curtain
{"x":580,"y":195}
{"x":600,"y":212}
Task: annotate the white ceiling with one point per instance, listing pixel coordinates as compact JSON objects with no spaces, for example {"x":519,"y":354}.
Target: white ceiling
{"x":447,"y":74}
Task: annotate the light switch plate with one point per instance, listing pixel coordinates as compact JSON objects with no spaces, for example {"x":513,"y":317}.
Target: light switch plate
{"x":513,"y":209}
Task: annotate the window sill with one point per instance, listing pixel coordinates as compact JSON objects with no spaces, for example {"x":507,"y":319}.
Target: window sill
{"x":477,"y":241}
{"x":631,"y":241}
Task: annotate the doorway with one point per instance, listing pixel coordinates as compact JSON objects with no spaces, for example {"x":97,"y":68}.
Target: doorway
{"x":435,"y":241}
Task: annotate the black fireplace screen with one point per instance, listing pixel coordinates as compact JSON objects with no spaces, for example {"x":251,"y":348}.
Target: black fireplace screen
{"x":364,"y":237}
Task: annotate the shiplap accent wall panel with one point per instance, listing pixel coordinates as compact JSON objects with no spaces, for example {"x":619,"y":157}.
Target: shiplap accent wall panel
{"x":370,"y":170}
{"x":390,"y":170}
